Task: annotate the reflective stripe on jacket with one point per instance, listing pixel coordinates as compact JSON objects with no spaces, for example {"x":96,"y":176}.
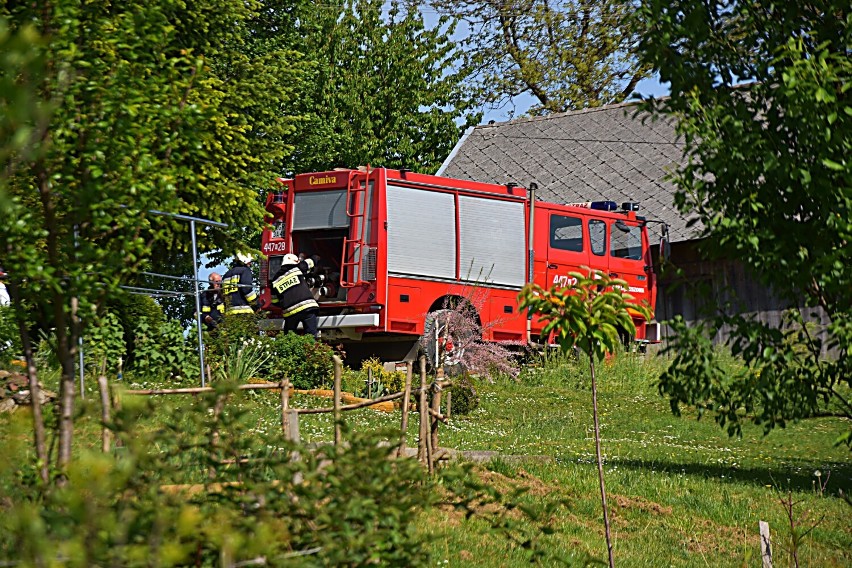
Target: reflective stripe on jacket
{"x":291,"y":290}
{"x":238,"y":288}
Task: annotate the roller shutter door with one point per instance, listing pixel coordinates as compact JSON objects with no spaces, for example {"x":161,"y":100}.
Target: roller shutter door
{"x":421,"y":232}
{"x":492,"y":241}
{"x":320,"y":210}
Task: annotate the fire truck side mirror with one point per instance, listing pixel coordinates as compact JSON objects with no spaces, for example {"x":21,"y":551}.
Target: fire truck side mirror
{"x":665,"y":245}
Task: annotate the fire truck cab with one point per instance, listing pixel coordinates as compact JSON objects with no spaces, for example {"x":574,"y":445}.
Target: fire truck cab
{"x":395,"y":247}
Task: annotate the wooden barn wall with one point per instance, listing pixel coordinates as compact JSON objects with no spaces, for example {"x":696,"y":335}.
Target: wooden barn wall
{"x":719,"y":286}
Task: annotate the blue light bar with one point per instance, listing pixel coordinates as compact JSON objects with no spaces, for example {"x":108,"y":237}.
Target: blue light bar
{"x":603,"y":205}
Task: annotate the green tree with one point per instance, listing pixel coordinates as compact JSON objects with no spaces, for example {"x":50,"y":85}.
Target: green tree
{"x":588,"y":315}
{"x":566,"y":55}
{"x":154,"y":107}
{"x":767,"y":172}
{"x":383,"y":90}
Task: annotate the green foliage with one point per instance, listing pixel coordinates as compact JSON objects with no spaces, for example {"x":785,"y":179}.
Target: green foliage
{"x":104,"y":344}
{"x":465,"y":398}
{"x":588,"y":314}
{"x":163,"y":351}
{"x":567,"y":55}
{"x":383,"y":90}
{"x":234,"y":329}
{"x":768,"y":176}
{"x":244,"y":362}
{"x":306,"y":362}
{"x":353,"y":506}
{"x":384,"y":381}
{"x":10,"y":339}
{"x":23,"y":114}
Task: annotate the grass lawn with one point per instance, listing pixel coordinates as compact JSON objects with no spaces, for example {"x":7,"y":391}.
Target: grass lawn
{"x":680,"y":491}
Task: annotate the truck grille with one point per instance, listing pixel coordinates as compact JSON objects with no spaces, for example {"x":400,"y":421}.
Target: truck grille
{"x":369,"y":270}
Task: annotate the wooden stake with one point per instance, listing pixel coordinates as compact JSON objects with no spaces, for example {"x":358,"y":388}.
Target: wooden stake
{"x":199,"y":390}
{"x":765,"y":544}
{"x":436,"y":411}
{"x":214,"y":435}
{"x":338,"y":374}
{"x":105,"y":411}
{"x":292,"y":432}
{"x":406,"y":397}
{"x":424,"y":430}
{"x":285,"y":406}
{"x":449,"y":413}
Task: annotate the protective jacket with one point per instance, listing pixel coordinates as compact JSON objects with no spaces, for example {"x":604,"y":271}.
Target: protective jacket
{"x":291,"y":290}
{"x":238,"y":288}
{"x":213,"y":305}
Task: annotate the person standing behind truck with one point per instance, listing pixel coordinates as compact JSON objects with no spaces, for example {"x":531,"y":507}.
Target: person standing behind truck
{"x":238,"y":287}
{"x":294,"y":297}
{"x":213,"y":303}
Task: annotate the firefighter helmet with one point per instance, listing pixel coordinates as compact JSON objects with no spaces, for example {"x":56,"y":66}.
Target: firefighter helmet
{"x":290,"y":259}
{"x":244,"y":258}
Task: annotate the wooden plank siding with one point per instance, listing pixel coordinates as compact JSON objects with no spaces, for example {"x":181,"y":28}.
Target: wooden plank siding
{"x":705,"y":288}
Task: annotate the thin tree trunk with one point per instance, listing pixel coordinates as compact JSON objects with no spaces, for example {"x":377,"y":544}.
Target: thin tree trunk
{"x":64,"y":351}
{"x":338,"y":376}
{"x":406,"y":399}
{"x":436,"y":407}
{"x":218,"y":407}
{"x":105,"y":413}
{"x":600,"y":462}
{"x":424,"y":411}
{"x":35,"y":388}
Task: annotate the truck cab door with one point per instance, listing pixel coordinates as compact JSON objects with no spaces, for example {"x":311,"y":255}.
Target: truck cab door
{"x":567,"y":250}
{"x":627,"y":257}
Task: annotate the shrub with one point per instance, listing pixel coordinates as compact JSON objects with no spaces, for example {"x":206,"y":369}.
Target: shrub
{"x":388,"y":381}
{"x":104,"y":343}
{"x":465,"y":398}
{"x":307,"y":362}
{"x":163,"y":352}
{"x":357,"y":507}
{"x":245,"y":361}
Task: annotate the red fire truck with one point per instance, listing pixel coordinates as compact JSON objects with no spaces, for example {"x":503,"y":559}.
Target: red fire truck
{"x":396,"y":248}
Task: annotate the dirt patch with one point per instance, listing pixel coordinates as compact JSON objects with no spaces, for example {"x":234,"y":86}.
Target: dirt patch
{"x":708,"y":537}
{"x":536,"y":486}
{"x":638,"y":503}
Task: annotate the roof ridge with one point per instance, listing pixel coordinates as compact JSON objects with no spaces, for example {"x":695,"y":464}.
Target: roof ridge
{"x":566,"y":113}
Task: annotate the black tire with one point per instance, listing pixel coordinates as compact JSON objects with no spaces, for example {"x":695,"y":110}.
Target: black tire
{"x":437,"y":320}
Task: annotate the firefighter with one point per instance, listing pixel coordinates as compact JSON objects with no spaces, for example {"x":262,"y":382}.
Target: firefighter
{"x":293,"y":295}
{"x":238,"y":287}
{"x":213,"y":303}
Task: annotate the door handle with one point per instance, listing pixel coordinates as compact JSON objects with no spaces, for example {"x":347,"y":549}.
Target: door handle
{"x":552,"y":266}
{"x":613,"y":274}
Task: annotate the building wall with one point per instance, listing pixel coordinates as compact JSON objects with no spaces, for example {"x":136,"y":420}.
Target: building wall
{"x":704,"y":289}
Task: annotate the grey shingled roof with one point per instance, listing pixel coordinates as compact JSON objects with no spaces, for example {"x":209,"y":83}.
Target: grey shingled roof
{"x":587,"y":155}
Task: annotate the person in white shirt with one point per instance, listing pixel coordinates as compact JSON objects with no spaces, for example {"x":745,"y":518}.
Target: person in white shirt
{"x":4,"y":293}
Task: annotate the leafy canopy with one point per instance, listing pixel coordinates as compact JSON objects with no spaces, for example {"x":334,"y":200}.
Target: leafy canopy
{"x":140,"y":106}
{"x":566,"y":55}
{"x":382,"y":90}
{"x":767,"y":172}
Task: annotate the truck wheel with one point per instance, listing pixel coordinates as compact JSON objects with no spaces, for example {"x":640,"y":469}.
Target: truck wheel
{"x":448,"y":346}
